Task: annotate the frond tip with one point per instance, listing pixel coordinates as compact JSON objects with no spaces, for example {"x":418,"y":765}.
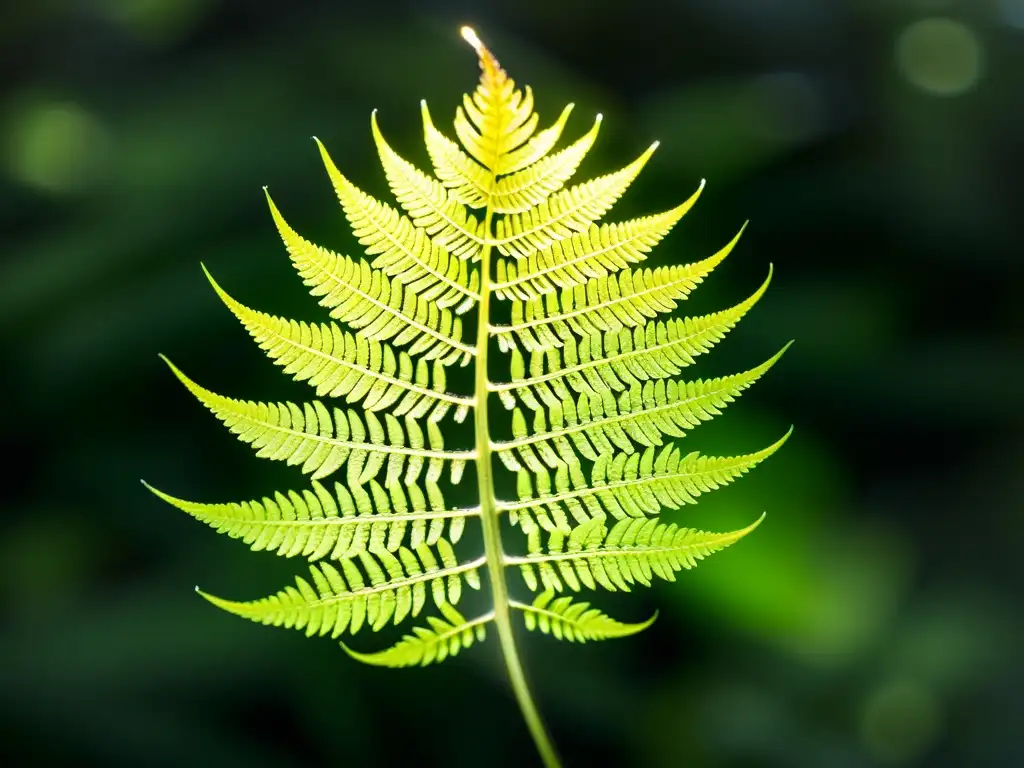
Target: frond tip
{"x":470,"y":36}
{"x":577,"y":622}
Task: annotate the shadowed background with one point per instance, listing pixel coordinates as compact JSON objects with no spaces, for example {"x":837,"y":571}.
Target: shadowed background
{"x":873,"y":620}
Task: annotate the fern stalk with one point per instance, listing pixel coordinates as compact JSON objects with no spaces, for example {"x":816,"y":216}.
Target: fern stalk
{"x":490,"y":520}
{"x":595,"y":405}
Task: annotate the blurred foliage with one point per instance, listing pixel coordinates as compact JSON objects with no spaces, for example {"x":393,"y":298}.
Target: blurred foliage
{"x":875,"y":146}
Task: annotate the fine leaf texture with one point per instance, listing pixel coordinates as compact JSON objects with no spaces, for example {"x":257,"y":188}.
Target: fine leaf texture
{"x":577,"y":622}
{"x":371,"y":589}
{"x":403,"y":250}
{"x":320,"y":441}
{"x":595,"y":252}
{"x":318,"y":524}
{"x":631,"y":552}
{"x":616,"y":359}
{"x":345,"y":365}
{"x":444,"y":638}
{"x":379,"y":307}
{"x":626,"y":300}
{"x":596,"y":425}
{"x":502,"y":235}
{"x":624,"y":485}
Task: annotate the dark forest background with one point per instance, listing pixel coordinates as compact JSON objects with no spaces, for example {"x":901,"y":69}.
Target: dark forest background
{"x":875,"y":146}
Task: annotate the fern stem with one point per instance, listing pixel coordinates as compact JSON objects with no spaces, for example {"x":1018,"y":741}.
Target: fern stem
{"x":490,"y":519}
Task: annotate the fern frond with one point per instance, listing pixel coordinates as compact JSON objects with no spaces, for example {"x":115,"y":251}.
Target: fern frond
{"x":310,"y":436}
{"x":560,"y":216}
{"x":522,"y":190}
{"x":626,"y":300}
{"x":429,"y":204}
{"x":536,"y":147}
{"x":564,"y":619}
{"x":594,"y":394}
{"x":619,"y":359}
{"x":384,"y":587}
{"x":378,"y":307}
{"x":316,"y":524}
{"x":402,"y":250}
{"x":342,"y":364}
{"x":595,"y":253}
{"x":631,"y":552}
{"x":444,"y":639}
{"x":625,"y":485}
{"x":597,"y":425}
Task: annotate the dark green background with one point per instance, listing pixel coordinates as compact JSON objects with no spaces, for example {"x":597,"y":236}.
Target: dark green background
{"x":874,"y":619}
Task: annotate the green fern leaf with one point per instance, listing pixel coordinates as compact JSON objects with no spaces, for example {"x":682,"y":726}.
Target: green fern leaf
{"x":445,"y":638}
{"x":618,"y":359}
{"x":342,"y":364}
{"x":631,"y":552}
{"x":317,"y":524}
{"x":595,"y":252}
{"x":402,"y":250}
{"x":605,"y":304}
{"x":521,"y":191}
{"x":624,"y":485}
{"x":593,"y":396}
{"x":384,"y":587}
{"x":430,"y":205}
{"x":535,"y":148}
{"x":559,"y":216}
{"x":597,"y":425}
{"x":380,"y":308}
{"x":564,"y":619}
{"x":466,"y":180}
{"x":321,"y":442}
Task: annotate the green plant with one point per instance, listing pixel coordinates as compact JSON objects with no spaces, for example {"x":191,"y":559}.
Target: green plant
{"x":587,"y":361}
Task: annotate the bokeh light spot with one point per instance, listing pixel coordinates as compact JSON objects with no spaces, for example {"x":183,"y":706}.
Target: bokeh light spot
{"x":940,"y":56}
{"x":899,"y":721}
{"x":55,"y":146}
